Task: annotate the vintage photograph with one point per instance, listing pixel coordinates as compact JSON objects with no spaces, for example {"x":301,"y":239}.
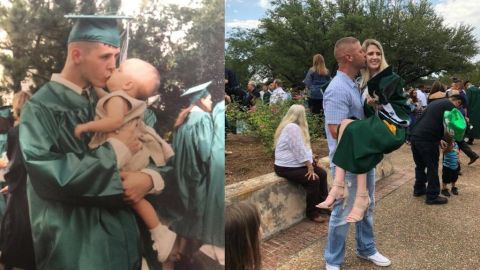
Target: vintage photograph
{"x":112,"y":134}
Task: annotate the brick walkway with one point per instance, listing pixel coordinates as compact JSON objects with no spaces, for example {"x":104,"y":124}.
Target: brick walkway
{"x":278,"y":249}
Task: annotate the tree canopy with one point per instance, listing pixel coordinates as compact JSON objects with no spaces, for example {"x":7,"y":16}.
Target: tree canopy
{"x":415,"y":39}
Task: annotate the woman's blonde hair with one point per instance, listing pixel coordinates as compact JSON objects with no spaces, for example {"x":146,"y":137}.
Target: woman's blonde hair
{"x":19,"y":99}
{"x":318,"y":65}
{"x":296,"y":114}
{"x":383,"y":64}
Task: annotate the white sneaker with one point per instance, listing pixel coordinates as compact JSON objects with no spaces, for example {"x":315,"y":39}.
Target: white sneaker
{"x":377,"y":259}
{"x":331,"y":267}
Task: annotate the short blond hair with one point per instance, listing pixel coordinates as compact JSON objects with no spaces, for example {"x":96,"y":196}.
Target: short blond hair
{"x":342,"y":46}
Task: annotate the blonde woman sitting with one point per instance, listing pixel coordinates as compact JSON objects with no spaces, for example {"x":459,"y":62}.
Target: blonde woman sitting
{"x":294,"y":160}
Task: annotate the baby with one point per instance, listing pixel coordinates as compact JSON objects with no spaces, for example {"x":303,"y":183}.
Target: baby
{"x":130,"y":85}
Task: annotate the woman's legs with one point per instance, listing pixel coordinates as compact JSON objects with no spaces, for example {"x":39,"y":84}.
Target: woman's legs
{"x":338,"y":183}
{"x":316,"y":190}
{"x":361,"y":200}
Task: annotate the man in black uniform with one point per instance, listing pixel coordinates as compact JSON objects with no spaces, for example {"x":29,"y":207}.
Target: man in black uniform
{"x":426,"y":136}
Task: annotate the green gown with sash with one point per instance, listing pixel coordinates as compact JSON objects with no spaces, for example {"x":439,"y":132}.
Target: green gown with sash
{"x":79,"y":219}
{"x":192,"y":144}
{"x":473,"y":97}
{"x":364,"y":142}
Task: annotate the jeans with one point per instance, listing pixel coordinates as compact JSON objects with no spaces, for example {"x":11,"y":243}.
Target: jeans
{"x":338,"y":227}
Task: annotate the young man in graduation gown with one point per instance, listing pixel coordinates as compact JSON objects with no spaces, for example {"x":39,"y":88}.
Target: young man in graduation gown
{"x":78,"y":199}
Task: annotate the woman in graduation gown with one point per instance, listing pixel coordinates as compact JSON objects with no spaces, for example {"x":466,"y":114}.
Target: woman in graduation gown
{"x":197,"y":174}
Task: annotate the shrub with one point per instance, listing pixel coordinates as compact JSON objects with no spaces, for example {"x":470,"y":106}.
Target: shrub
{"x":264,"y":120}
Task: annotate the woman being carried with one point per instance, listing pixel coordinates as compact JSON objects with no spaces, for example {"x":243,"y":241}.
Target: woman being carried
{"x":362,"y":143}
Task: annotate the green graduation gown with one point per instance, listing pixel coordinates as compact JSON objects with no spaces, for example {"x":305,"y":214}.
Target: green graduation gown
{"x":192,"y":144}
{"x":364,"y":142}
{"x":78,"y":217}
{"x":213,"y":219}
{"x":473,"y":97}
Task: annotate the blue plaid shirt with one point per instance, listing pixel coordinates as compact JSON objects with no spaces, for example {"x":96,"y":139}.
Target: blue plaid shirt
{"x":342,"y":100}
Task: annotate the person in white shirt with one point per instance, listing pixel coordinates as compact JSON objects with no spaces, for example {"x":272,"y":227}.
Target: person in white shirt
{"x":294,"y":160}
{"x":278,"y":94}
{"x":422,"y":97}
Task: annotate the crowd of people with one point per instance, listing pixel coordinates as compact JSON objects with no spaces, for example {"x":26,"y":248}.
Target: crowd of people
{"x":369,"y":112}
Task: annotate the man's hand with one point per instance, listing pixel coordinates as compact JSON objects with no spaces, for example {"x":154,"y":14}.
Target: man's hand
{"x":135,"y":186}
{"x":129,"y":135}
{"x":371,"y":101}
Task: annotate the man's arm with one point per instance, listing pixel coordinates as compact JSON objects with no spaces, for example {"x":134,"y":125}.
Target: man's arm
{"x":333,"y":130}
{"x":337,"y":107}
{"x":61,"y":167}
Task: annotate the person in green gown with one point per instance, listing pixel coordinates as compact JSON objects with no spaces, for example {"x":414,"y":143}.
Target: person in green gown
{"x":198,"y":143}
{"x":78,"y":198}
{"x":473,"y":97}
{"x":362,"y":143}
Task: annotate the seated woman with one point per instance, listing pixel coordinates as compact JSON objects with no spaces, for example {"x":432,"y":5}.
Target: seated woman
{"x":294,"y":161}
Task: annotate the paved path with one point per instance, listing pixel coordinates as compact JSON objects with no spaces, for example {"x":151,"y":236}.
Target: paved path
{"x":412,"y":234}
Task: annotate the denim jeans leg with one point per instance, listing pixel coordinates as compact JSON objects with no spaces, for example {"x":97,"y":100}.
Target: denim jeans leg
{"x":338,"y":227}
{"x":365,"y":240}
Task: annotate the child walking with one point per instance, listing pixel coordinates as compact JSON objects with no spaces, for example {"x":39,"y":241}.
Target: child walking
{"x":451,"y":166}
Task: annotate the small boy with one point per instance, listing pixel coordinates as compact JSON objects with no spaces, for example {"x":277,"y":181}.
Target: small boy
{"x":450,"y":167}
{"x":454,"y":125}
{"x":130,"y":85}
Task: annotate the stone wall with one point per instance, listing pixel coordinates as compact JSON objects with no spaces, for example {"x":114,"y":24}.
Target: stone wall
{"x":281,"y":203}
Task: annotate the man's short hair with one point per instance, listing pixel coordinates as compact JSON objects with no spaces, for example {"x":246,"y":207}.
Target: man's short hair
{"x":278,"y":82}
{"x":341,"y":46}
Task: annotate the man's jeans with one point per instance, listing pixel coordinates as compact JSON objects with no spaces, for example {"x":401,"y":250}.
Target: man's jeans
{"x":338,"y":227}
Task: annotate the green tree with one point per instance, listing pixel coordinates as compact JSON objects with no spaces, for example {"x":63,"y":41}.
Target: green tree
{"x":198,"y":57}
{"x":415,"y":39}
{"x":37,"y":35}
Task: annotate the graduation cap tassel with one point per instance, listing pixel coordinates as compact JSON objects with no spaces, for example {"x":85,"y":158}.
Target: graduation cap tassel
{"x":124,"y":49}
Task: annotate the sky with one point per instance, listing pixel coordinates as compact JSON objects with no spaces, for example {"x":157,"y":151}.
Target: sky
{"x":246,"y":13}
